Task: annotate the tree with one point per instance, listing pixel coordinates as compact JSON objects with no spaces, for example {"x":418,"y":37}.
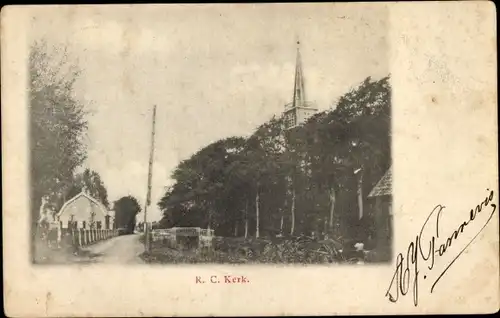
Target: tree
{"x":126,"y":210}
{"x":302,"y":178}
{"x":89,"y":181}
{"x":203,"y":193}
{"x":355,"y":137}
{"x":57,"y":126}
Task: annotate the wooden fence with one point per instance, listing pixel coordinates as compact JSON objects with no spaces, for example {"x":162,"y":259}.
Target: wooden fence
{"x":179,"y":237}
{"x":61,"y":237}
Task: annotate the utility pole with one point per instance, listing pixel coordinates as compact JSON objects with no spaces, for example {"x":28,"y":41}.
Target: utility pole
{"x":150,"y":174}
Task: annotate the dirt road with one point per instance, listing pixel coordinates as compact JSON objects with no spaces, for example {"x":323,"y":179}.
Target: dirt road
{"x":123,"y":249}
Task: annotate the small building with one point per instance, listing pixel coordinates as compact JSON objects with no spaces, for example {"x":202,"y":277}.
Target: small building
{"x":84,"y":211}
{"x":381,"y":194}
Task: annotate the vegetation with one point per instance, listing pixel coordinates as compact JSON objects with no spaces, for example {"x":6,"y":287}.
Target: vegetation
{"x":91,"y":182}
{"x":58,"y":128}
{"x":126,"y":209}
{"x":301,"y":250}
{"x":57,"y":122}
{"x":301,"y":181}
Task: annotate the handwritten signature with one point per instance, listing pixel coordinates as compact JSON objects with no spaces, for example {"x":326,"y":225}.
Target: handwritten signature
{"x":427,"y":249}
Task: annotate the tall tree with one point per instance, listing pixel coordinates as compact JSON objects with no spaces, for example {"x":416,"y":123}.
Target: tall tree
{"x":91,"y":182}
{"x":57,"y":125}
{"x":126,"y":210}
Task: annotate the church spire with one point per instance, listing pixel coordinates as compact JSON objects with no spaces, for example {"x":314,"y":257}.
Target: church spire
{"x":299,"y":93}
{"x":299,"y":109}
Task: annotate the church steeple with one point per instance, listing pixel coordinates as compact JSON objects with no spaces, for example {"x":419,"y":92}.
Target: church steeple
{"x":299,"y":109}
{"x":299,"y":93}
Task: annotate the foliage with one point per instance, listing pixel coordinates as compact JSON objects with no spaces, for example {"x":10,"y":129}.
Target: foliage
{"x":289,"y":182}
{"x":57,"y":125}
{"x":126,"y":209}
{"x":91,"y":182}
{"x":303,"y":250}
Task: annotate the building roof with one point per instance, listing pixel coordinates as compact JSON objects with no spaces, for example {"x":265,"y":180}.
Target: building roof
{"x":93,"y":200}
{"x":384,"y":186}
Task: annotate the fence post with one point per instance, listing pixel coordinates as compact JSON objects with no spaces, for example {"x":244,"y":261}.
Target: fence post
{"x":75,"y":237}
{"x":59,"y":234}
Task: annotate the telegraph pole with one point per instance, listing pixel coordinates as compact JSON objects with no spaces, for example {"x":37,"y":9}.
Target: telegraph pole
{"x":150,"y":174}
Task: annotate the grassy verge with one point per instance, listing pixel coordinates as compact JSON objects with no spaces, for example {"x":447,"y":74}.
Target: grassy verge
{"x":258,"y":251}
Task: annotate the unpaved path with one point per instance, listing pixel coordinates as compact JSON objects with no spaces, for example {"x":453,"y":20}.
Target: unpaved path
{"x":123,"y":249}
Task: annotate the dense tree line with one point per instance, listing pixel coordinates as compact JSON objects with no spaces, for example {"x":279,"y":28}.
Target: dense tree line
{"x":290,"y":181}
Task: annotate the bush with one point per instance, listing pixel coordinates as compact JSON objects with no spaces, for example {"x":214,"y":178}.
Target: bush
{"x":301,"y":250}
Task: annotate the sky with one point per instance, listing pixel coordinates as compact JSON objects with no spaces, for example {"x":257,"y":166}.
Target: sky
{"x":213,"y":71}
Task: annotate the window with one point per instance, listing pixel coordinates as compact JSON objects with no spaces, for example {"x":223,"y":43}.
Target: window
{"x":98,"y":225}
{"x":84,"y":225}
{"x":290,"y":120}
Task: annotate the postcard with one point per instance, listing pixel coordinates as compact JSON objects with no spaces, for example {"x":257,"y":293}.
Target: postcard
{"x":249,"y":159}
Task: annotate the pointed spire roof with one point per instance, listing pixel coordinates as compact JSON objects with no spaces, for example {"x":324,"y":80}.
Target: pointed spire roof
{"x":299,"y":93}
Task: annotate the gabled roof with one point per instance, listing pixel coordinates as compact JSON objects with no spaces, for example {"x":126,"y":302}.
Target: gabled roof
{"x":96,"y":202}
{"x":384,"y":186}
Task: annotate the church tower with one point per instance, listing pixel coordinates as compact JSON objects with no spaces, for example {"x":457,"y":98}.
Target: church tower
{"x":297,"y":111}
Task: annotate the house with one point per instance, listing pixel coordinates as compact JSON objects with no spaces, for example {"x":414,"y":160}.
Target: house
{"x":84,"y":211}
{"x":381,"y":194}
